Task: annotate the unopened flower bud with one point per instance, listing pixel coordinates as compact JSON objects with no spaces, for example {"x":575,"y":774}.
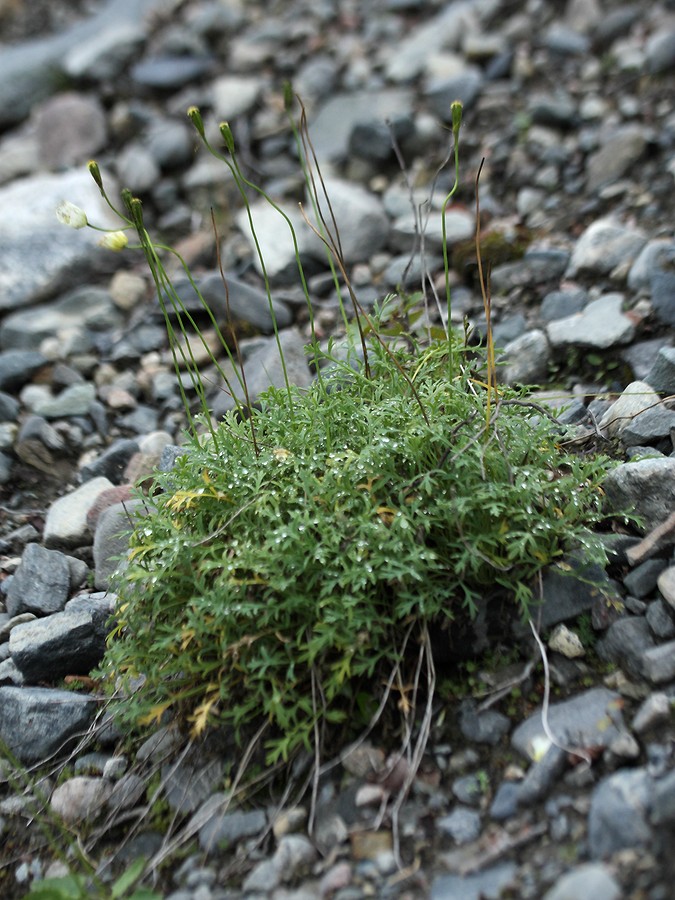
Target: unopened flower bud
{"x":456,"y":108}
{"x":228,"y":137}
{"x":69,"y":214}
{"x":195,"y":117}
{"x":95,"y":173}
{"x":114,"y":240}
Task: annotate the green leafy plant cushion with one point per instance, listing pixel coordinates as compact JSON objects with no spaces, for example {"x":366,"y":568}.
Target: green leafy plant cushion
{"x":289,"y":564}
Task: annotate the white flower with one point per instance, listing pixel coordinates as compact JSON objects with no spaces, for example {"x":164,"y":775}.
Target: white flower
{"x":69,"y":214}
{"x":114,"y":240}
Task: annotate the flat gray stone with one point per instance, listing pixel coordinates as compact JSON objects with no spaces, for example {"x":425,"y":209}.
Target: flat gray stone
{"x":621,"y":150}
{"x":332,"y":125}
{"x":625,"y":643}
{"x":66,"y":524}
{"x":37,"y":722}
{"x":487,"y":884}
{"x":661,"y":376}
{"x":444,"y":31}
{"x":645,"y":487}
{"x":38,"y":254}
{"x":618,"y":817}
{"x":658,"y":663}
{"x":526,"y":359}
{"x":586,"y":720}
{"x":111,"y":541}
{"x":605,"y":244}
{"x":264,"y":370}
{"x":601,"y":324}
{"x":588,"y":880}
{"x":637,"y":397}
{"x":40,"y":584}
{"x":64,"y":643}
{"x":221,"y":828}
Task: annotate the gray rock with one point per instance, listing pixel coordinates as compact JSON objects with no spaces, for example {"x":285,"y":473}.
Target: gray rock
{"x":170,"y":143}
{"x":660,"y":52}
{"x":587,"y":880}
{"x":663,"y":801}
{"x":555,"y":110}
{"x":483,"y":728}
{"x":536,"y":267}
{"x":459,"y":226}
{"x":625,"y":643}
{"x":590,"y":719}
{"x":661,"y":376}
{"x":637,"y":397}
{"x":505,"y":801}
{"x":84,"y":308}
{"x":37,"y":722}
{"x":487,"y":884}
{"x":462,"y":824}
{"x":10,"y":622}
{"x":650,"y":427}
{"x":18,"y":366}
{"x":39,"y":445}
{"x":243,"y":302}
{"x":38,"y":255}
{"x":40,"y":584}
{"x":654,"y":710}
{"x":621,"y":150}
{"x":666,"y":585}
{"x":170,"y":72}
{"x":660,"y":621}
{"x":642,"y":580}
{"x":645,"y":487}
{"x":66,"y":524}
{"x":136,"y":168}
{"x":618,"y":817}
{"x":662,"y":287}
{"x":542,"y":776}
{"x":444,"y":31}
{"x":605,"y":244}
{"x":526,"y":359}
{"x":65,"y":643}
{"x":80,"y":799}
{"x":294,"y":855}
{"x":362,"y":223}
{"x":70,"y":129}
{"x":560,"y":304}
{"x":74,"y":400}
{"x":221,"y":827}
{"x":264,"y":370}
{"x":100,"y":605}
{"x":112,"y":463}
{"x":10,"y":674}
{"x":651,"y":256}
{"x":571,"y":590}
{"x":658,"y":663}
{"x":111,"y":541}
{"x":333,"y":123}
{"x":234,"y":95}
{"x":464,"y":86}
{"x":276,"y":241}
{"x":103,"y":57}
{"x":601,"y":324}
{"x":31,"y":71}
{"x":190,"y":782}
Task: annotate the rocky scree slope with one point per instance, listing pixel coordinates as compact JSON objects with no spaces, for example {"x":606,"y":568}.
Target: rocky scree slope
{"x":571,"y":106}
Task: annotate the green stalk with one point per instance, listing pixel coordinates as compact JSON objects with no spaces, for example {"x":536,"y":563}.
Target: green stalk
{"x":456,"y":111}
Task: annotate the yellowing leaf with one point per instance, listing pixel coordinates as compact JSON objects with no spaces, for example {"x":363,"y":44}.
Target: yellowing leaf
{"x":200,"y":716}
{"x":155,"y":714}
